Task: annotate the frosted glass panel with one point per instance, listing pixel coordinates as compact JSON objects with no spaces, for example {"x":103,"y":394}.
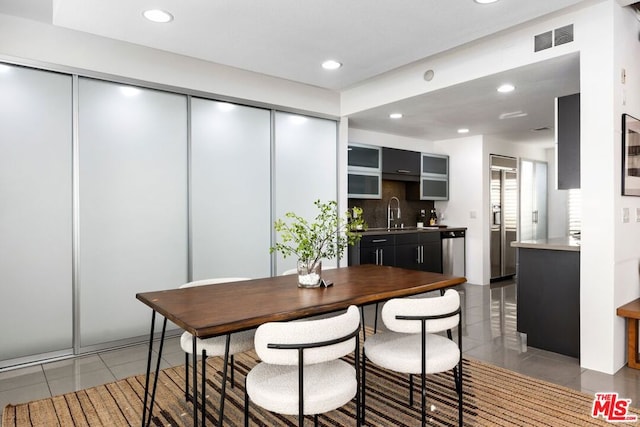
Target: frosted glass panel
{"x":230,"y":190}
{"x":133,"y":205}
{"x":305,"y":163}
{"x":35,"y":212}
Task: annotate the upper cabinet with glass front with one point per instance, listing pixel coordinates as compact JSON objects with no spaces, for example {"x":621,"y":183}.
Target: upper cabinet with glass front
{"x":364,"y":172}
{"x":434,"y":179}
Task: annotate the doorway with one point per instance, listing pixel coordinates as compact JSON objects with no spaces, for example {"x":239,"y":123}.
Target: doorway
{"x":504,"y":216}
{"x":533,"y":200}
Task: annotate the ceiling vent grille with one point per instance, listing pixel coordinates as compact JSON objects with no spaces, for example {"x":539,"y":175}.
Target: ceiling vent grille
{"x":563,"y":35}
{"x":543,"y":41}
{"x":556,"y":37}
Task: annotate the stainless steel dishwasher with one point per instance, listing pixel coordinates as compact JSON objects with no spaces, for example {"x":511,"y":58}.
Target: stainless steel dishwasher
{"x":453,"y":252}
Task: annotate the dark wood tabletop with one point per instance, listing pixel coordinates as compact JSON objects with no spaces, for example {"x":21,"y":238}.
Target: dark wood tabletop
{"x":210,"y":310}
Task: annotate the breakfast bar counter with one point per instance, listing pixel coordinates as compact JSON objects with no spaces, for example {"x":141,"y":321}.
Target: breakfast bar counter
{"x":548,"y":300}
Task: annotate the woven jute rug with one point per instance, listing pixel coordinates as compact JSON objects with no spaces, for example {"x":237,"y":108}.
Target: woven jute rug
{"x":492,"y":397}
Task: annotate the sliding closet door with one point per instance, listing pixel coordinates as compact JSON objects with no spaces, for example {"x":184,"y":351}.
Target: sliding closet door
{"x":35,"y":212}
{"x":305,"y":167}
{"x":230,"y":190}
{"x":133,"y":205}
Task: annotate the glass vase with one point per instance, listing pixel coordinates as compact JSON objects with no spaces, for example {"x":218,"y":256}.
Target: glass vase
{"x":309,"y":274}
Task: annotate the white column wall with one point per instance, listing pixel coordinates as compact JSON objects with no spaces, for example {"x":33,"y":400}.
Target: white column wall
{"x":626,"y":279}
{"x":466,"y":200}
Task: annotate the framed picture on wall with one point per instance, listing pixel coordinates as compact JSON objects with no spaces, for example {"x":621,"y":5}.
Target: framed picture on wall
{"x":630,"y":156}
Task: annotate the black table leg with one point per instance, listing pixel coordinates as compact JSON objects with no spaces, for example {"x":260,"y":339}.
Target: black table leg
{"x":147,"y":421}
{"x":194,"y":352}
{"x":146,"y":383}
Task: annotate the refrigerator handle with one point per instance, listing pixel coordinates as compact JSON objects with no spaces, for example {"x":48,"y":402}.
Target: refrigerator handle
{"x":496,"y":218}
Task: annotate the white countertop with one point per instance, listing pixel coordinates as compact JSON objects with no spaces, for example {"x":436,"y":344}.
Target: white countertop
{"x":555,"y":244}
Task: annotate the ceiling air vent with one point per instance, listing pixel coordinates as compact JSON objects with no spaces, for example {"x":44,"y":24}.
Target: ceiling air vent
{"x":543,"y":41}
{"x":563,"y":35}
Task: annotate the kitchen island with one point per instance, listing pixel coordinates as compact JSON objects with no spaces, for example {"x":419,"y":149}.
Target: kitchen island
{"x":548,"y":288}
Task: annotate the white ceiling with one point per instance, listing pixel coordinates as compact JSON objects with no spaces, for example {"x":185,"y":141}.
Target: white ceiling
{"x":477,"y":106}
{"x":290,"y":39}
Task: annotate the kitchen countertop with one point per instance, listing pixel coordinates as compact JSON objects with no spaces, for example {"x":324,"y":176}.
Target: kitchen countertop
{"x":555,"y":244}
{"x":377,"y":231}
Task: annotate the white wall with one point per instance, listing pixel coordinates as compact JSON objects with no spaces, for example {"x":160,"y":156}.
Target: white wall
{"x":388,"y":140}
{"x":466,"y":200}
{"x":487,"y":56}
{"x":626,"y":277}
{"x":27,"y":41}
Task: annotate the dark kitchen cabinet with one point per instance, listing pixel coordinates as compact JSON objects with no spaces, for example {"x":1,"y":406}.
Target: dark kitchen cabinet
{"x":364,"y":179}
{"x":568,"y":143}
{"x":434,"y":179}
{"x":408,"y":251}
{"x":377,"y":249}
{"x":415,"y":251}
{"x":419,"y":251}
{"x":431,"y":252}
{"x":400,"y":165}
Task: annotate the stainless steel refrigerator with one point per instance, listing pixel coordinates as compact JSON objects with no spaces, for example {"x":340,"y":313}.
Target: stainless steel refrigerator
{"x":504,"y":216}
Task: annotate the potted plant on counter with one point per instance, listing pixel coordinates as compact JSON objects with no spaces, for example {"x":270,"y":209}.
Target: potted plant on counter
{"x":326,"y":237}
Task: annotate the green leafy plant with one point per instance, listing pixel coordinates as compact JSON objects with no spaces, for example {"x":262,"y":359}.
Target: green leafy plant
{"x":326,"y":237}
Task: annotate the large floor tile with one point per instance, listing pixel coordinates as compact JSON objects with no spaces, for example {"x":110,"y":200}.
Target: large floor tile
{"x":22,"y":377}
{"x":80,"y":381}
{"x":24,"y":394}
{"x":125,"y":355}
{"x":73,"y":367}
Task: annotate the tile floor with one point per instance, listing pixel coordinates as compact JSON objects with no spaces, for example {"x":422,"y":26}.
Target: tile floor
{"x":489,"y":334}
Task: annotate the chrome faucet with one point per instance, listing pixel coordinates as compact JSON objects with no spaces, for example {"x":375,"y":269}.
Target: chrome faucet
{"x":390,"y":213}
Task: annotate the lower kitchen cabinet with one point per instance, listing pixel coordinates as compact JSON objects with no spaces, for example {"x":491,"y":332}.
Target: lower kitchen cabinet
{"x":377,"y":250}
{"x":415,"y":251}
{"x":419,"y":251}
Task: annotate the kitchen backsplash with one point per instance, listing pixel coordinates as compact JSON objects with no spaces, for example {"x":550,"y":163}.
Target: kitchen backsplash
{"x":375,"y":210}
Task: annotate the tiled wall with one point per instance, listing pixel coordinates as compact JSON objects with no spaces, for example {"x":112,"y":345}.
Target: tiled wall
{"x":375,"y":211}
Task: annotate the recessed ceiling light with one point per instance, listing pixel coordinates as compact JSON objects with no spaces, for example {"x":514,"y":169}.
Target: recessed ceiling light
{"x":463,"y":130}
{"x":129,"y":91}
{"x":331,"y":65}
{"x":485,"y":1}
{"x":505,"y":88}
{"x":395,"y":115}
{"x":157,"y":15}
{"x":225,"y":106}
{"x":512,"y":115}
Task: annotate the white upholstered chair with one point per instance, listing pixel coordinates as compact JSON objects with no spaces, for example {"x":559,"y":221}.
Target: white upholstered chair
{"x":412,"y":345}
{"x":301,"y":371}
{"x":224,"y":346}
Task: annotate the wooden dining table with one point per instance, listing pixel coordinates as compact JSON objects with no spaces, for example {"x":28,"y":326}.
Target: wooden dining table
{"x":213,"y":310}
